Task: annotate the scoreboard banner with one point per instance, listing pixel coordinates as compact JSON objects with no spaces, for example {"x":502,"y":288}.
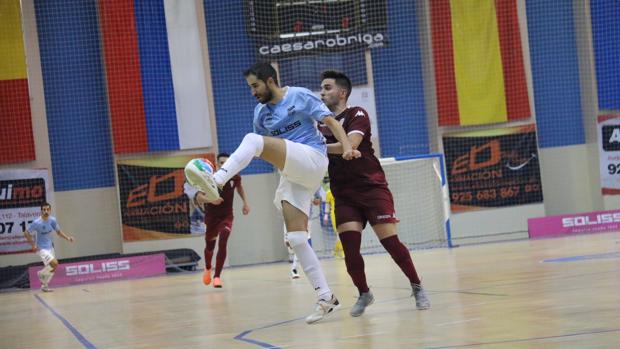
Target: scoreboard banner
{"x":22,"y":192}
{"x":154,"y":199}
{"x":493,"y":168}
{"x":609,"y":153}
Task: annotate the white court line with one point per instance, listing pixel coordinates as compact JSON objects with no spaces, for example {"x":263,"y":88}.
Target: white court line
{"x":363,"y":335}
{"x":458,"y":322}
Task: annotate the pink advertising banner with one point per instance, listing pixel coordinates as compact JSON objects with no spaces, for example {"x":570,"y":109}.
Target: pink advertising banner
{"x":581,"y":223}
{"x":102,"y":270}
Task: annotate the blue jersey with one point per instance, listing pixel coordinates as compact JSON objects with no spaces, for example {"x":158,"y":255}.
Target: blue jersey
{"x":44,"y":230}
{"x":294,"y":118}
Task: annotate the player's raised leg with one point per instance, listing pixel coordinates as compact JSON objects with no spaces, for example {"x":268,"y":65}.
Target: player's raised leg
{"x":272,"y":150}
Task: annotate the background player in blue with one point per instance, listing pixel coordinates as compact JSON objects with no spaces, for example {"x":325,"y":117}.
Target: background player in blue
{"x":43,"y":243}
{"x":286,"y":135}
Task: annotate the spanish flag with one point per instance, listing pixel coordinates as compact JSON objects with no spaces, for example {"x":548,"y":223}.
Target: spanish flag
{"x":16,"y":140}
{"x":479,"y":72}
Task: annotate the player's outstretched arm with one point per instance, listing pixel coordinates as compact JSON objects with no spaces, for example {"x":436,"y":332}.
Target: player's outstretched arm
{"x":336,"y":148}
{"x":241,"y":192}
{"x":348,"y":152}
{"x":65,"y":236}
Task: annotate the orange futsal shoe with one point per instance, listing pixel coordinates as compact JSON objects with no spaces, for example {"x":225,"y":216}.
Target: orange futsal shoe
{"x":206,"y":277}
{"x":217,"y":282}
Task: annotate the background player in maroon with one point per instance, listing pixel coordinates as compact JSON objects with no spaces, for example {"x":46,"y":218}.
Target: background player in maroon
{"x":219,"y":220}
{"x":361,"y":193}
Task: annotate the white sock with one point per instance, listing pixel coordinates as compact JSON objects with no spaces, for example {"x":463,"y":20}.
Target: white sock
{"x":48,"y":277}
{"x":312,"y":268}
{"x":251,"y":146}
{"x":295,"y":260}
{"x":46,"y":270}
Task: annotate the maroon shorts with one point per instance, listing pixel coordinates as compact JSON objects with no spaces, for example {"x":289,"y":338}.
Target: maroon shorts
{"x":216,"y":225}
{"x":375,"y":206}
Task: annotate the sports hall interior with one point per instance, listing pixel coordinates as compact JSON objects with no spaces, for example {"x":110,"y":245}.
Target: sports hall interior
{"x":491,"y":283}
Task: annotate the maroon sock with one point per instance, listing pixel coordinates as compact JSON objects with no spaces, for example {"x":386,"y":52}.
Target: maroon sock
{"x":222,"y":241}
{"x":351,"y":242}
{"x":400,"y":255}
{"x":209,"y":253}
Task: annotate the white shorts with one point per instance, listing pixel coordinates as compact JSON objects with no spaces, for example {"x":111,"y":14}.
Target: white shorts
{"x":46,"y":255}
{"x":303,"y":173}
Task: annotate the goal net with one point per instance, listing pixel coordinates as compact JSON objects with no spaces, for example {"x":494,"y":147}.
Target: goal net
{"x":420,"y":198}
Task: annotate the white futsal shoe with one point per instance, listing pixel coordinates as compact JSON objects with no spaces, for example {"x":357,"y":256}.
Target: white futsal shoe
{"x":421,"y":301}
{"x":199,"y":175}
{"x":323,"y":309}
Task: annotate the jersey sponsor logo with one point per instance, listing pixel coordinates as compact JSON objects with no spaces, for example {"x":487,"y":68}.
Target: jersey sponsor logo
{"x":96,"y":268}
{"x":580,"y":221}
{"x":286,"y":128}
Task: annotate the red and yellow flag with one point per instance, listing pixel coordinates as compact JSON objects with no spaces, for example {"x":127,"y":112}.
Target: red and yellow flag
{"x":479,"y":72}
{"x":16,"y":140}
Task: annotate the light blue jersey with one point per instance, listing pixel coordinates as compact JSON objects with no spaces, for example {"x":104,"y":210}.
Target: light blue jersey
{"x":44,"y":230}
{"x":294,"y":118}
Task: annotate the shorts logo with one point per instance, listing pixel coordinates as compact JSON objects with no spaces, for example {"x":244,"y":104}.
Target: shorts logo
{"x":386,"y":216}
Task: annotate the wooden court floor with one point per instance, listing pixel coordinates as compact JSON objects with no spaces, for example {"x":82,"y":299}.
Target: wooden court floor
{"x":555,"y":293}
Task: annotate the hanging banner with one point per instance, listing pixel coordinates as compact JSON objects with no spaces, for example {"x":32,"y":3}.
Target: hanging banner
{"x":609,"y":153}
{"x":154,"y":199}
{"x":22,"y":192}
{"x":284,"y":29}
{"x":493,"y":168}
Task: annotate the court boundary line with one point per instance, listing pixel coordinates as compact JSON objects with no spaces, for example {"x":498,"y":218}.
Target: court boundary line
{"x":67,"y":324}
{"x":526,"y":339}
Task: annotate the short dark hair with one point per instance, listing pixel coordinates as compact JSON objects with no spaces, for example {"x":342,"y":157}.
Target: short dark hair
{"x":45,"y":204}
{"x":341,"y":79}
{"x":222,"y":155}
{"x":262,"y":71}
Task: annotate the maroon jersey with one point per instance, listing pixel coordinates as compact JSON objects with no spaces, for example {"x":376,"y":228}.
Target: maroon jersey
{"x":227,"y":193}
{"x":353,"y":177}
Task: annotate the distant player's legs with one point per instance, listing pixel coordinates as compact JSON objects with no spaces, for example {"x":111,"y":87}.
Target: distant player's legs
{"x":47,"y":273}
{"x":209,"y":249}
{"x":222,"y":242}
{"x":210,"y":242}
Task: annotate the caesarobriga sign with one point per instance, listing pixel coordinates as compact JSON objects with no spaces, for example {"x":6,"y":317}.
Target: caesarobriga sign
{"x":308,"y":45}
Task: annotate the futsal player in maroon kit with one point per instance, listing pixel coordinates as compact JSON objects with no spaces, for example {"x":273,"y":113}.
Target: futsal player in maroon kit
{"x":219,"y":219}
{"x":361,"y":193}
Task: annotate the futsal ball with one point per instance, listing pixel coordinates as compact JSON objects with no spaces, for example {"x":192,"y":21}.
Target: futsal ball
{"x":199,"y":174}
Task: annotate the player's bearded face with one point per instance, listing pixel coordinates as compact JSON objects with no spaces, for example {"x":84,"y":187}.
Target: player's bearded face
{"x":45,"y":211}
{"x":259,"y":89}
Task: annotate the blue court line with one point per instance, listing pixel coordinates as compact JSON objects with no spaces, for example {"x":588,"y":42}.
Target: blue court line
{"x":67,"y":324}
{"x":240,"y":336}
{"x":526,"y":339}
{"x":611,"y":255}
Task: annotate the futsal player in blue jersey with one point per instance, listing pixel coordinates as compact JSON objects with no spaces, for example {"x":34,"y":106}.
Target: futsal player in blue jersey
{"x":42,"y":229}
{"x":286,"y":135}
